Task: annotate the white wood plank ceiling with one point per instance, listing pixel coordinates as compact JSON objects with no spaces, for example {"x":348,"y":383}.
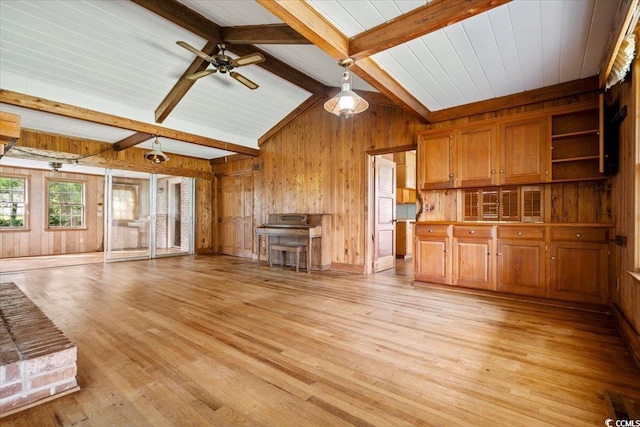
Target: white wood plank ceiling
{"x":117,"y":57}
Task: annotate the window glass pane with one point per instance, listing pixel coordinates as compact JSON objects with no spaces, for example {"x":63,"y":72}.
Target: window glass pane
{"x":12,"y":201}
{"x":66,"y":205}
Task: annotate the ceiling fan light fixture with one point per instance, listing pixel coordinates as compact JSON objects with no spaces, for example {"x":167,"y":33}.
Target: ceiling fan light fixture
{"x":156,"y":155}
{"x":346,"y":103}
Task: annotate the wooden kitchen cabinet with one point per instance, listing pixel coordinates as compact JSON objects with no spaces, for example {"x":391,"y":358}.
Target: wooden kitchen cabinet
{"x":405,"y":169}
{"x":523,"y":151}
{"x":404,"y":239}
{"x":435,"y":161}
{"x":578,"y":267}
{"x":477,"y":156}
{"x":500,"y":151}
{"x":473,"y":255}
{"x":520,"y":260}
{"x":432,"y":257}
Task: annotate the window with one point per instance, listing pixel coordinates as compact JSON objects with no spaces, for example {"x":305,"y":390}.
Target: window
{"x":503,"y":204}
{"x":125,"y":202}
{"x":13,"y":198}
{"x":66,"y":204}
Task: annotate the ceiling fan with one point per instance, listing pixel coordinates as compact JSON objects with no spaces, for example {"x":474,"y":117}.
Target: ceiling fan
{"x":224,"y":63}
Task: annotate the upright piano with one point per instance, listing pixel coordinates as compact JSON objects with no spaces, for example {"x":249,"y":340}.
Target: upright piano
{"x":291,"y":228}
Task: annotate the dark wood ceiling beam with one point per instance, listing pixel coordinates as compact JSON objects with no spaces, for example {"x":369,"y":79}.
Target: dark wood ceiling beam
{"x":182,"y":86}
{"x":421,"y":21}
{"x":67,"y":110}
{"x":263,"y":34}
{"x":132,"y":141}
{"x":309,"y":23}
{"x":562,"y":90}
{"x":181,"y":15}
{"x":282,"y":69}
{"x":369,"y":71}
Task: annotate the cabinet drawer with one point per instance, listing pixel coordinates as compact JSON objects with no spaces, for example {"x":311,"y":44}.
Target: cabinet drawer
{"x":469,"y":231}
{"x":579,"y":234}
{"x":529,"y":233}
{"x":437,"y":230}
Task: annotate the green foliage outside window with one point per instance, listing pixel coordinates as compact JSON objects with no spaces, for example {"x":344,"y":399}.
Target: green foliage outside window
{"x":12,"y":202}
{"x":66,"y":205}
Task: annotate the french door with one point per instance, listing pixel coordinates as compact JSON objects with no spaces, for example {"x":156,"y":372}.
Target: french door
{"x":147,"y":215}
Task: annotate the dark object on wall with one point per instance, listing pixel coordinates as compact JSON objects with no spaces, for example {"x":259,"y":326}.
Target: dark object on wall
{"x":613,"y":117}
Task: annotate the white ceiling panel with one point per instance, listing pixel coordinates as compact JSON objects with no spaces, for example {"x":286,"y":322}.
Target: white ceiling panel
{"x":118,"y":58}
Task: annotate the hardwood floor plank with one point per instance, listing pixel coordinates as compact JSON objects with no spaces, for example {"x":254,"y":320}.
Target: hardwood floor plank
{"x":222,"y":341}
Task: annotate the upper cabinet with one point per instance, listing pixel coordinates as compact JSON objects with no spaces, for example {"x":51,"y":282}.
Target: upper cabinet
{"x":560,"y":144}
{"x":405,"y":169}
{"x":435,"y":161}
{"x":523,"y":151}
{"x":477,"y":156}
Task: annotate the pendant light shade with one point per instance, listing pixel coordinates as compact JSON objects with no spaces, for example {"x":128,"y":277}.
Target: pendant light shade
{"x":346,"y":103}
{"x":156,"y":155}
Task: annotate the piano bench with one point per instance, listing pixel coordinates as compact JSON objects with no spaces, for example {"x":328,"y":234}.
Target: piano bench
{"x":288,"y":248}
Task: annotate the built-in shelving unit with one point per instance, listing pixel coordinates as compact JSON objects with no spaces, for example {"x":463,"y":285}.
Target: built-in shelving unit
{"x":576,"y":146}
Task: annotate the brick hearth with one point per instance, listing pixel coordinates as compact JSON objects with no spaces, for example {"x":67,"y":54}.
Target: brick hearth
{"x":37,"y":362}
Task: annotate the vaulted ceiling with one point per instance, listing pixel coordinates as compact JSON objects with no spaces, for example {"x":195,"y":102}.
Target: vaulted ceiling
{"x":112,"y":71}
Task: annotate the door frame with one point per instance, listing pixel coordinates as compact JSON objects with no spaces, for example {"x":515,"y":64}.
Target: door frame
{"x":369,"y":208}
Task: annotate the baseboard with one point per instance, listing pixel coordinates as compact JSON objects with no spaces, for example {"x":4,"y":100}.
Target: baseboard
{"x":629,"y":334}
{"x":347,"y":268}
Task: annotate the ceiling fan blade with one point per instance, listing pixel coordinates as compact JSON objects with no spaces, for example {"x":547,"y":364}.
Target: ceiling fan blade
{"x":254,"y":58}
{"x":245,"y":81}
{"x":196,"y":51}
{"x":200,"y":74}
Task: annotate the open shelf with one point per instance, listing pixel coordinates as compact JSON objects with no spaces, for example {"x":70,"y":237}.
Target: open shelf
{"x":576,"y":148}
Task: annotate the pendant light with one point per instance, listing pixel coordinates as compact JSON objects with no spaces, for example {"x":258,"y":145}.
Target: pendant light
{"x":156,"y":155}
{"x":346,"y":103}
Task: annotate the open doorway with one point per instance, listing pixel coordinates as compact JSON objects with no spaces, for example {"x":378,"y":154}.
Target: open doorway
{"x":392,"y":210}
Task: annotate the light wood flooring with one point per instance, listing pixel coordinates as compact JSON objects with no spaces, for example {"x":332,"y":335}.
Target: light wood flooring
{"x":210,"y":341}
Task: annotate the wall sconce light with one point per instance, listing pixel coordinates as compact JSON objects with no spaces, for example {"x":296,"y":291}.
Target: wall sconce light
{"x":346,"y":103}
{"x":156,"y":155}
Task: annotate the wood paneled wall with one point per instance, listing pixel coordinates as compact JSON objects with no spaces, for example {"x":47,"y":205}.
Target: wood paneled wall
{"x":100,"y":155}
{"x":319,"y":164}
{"x":38,"y":239}
{"x":625,"y":207}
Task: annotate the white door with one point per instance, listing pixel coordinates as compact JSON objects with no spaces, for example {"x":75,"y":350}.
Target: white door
{"x":384,"y":244}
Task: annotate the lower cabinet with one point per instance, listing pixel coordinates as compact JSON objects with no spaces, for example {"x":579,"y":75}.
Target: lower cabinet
{"x":554,"y":261}
{"x":473,"y":254}
{"x":432,"y":254}
{"x":520,"y":260}
{"x":578,"y":270}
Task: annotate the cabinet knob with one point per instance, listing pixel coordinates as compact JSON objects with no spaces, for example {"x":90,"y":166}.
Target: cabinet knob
{"x":499,"y":254}
{"x":493,"y":171}
{"x":501,"y":170}
{"x":519,"y":233}
{"x":472,"y":231}
{"x":553,"y":258}
{"x":431,"y":230}
{"x":450,"y":175}
{"x":578,"y":235}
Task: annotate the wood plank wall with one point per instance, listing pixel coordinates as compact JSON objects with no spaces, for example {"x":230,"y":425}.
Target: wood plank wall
{"x":37,"y":239}
{"x":130,"y":159}
{"x":318,"y":164}
{"x":625,"y":193}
